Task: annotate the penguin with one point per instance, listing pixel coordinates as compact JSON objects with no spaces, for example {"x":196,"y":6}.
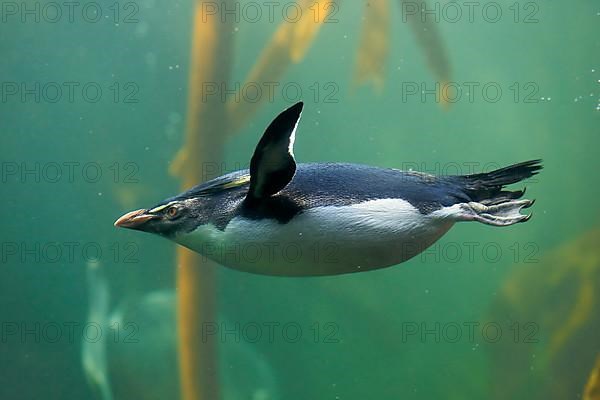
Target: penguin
{"x":286,"y":219}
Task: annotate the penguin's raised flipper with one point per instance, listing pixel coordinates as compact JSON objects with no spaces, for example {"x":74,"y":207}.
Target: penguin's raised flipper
{"x":273,"y":166}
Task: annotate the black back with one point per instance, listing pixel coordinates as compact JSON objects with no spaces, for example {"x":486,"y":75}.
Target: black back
{"x":324,"y":184}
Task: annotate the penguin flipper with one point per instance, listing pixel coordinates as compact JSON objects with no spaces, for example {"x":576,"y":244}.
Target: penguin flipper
{"x":273,"y":166}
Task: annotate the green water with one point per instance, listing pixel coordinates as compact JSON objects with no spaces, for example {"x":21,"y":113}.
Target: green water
{"x":71,"y":166}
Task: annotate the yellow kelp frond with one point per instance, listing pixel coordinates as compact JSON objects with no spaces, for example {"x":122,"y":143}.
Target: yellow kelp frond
{"x":206,"y":130}
{"x":587,"y":263}
{"x":314,"y":14}
{"x":592,"y":388}
{"x":179,"y":162}
{"x":288,"y":45}
{"x":270,"y":67}
{"x":429,"y":39}
{"x":373,"y":49}
{"x":584,"y":306}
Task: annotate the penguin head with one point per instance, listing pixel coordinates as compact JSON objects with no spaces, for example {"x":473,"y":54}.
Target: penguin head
{"x":169,"y":218}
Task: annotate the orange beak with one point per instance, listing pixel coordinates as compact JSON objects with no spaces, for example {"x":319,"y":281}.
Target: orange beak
{"x":134,"y":219}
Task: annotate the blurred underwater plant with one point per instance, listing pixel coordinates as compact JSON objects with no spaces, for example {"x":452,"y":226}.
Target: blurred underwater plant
{"x":292,"y":40}
{"x":136,"y":356}
{"x":375,"y":37}
{"x":559,"y":298}
{"x":592,"y":388}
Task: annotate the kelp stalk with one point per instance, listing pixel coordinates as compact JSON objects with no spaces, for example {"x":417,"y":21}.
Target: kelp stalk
{"x":206,"y":129}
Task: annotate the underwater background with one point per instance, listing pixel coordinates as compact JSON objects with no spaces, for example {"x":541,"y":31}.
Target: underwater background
{"x":93,"y":111}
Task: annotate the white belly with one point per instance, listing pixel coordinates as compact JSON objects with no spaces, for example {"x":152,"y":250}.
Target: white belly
{"x":323,"y":240}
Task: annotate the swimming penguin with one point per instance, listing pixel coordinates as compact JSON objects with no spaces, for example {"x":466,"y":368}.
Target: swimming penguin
{"x":280,"y":218}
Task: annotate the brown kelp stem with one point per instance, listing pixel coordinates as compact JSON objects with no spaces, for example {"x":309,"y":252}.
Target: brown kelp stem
{"x":206,"y":130}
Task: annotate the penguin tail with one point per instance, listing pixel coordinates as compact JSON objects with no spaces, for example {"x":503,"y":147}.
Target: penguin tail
{"x":487,"y":188}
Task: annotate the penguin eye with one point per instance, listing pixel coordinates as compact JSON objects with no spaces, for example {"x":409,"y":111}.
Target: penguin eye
{"x":172,"y":212}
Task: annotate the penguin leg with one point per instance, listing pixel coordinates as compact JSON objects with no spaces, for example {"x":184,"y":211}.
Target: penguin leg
{"x":501,"y":214}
